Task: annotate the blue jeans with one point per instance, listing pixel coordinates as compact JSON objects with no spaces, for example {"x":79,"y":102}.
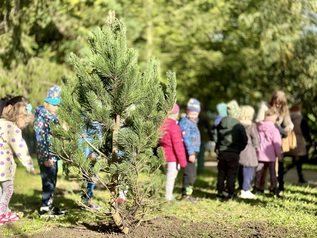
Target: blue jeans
{"x":245,"y":177}
{"x":49,"y":179}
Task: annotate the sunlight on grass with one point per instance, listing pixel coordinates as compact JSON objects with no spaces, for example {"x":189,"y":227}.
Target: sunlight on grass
{"x":295,"y":211}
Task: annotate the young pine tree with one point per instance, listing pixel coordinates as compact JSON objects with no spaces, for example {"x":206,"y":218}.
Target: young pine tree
{"x":130,"y":106}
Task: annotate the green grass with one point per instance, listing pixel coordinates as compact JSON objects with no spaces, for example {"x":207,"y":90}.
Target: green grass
{"x":296,"y":211}
{"x":27,"y":198}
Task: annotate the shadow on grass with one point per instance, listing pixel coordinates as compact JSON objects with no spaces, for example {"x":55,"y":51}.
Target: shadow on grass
{"x":30,"y":204}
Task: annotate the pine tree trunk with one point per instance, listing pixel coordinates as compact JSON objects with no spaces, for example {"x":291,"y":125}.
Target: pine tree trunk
{"x":117,"y":218}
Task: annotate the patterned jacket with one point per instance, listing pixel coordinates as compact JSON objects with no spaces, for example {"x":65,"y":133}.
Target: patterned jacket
{"x":191,"y":135}
{"x":11,"y":141}
{"x":43,"y":133}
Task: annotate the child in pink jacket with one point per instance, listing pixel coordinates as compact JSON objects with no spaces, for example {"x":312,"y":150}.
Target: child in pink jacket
{"x":269,"y":150}
{"x":174,"y":150}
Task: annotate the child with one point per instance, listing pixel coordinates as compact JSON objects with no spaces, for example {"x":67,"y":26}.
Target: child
{"x":174,"y":150}
{"x":284,"y":123}
{"x":92,"y":130}
{"x":11,"y":141}
{"x":8,"y":102}
{"x":47,"y":160}
{"x":270,"y":148}
{"x":248,"y":159}
{"x":191,"y":138}
{"x":231,"y":139}
{"x":3,"y":102}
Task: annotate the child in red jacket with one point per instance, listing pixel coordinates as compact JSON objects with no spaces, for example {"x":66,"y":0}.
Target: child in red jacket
{"x":172,"y":143}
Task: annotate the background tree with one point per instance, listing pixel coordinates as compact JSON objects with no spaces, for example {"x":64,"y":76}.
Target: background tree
{"x":130,"y":106}
{"x":219,"y":49}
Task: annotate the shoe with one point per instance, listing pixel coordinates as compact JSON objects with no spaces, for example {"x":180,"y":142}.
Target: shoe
{"x":10,"y":217}
{"x":301,"y":180}
{"x":231,"y":196}
{"x":4,"y":219}
{"x":169,"y":198}
{"x":188,"y":198}
{"x":121,"y":201}
{"x":247,"y":194}
{"x":93,"y":206}
{"x":14,"y":216}
{"x":258,"y":191}
{"x":220,"y":197}
{"x":51,"y":212}
{"x":274,"y":192}
{"x":88,"y":204}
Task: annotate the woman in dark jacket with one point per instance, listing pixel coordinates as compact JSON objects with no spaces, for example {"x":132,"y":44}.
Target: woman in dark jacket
{"x":302,"y":132}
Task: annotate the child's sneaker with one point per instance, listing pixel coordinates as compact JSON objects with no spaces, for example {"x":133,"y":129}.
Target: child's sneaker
{"x":95,"y":206}
{"x":51,"y":212}
{"x":247,"y":194}
{"x":91,"y":205}
{"x":121,"y":201}
{"x":188,"y":198}
{"x":14,"y":216}
{"x":3,"y":219}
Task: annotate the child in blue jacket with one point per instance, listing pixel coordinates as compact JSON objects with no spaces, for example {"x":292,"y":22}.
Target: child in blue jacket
{"x":191,"y":138}
{"x":47,"y":159}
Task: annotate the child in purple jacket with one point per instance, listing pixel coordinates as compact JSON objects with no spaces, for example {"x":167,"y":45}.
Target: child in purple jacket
{"x":269,"y":150}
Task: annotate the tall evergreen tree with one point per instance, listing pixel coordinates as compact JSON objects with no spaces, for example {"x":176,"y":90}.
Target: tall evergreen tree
{"x":130,"y":106}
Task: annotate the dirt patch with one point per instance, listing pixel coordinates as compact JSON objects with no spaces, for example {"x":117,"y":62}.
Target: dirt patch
{"x":170,"y":227}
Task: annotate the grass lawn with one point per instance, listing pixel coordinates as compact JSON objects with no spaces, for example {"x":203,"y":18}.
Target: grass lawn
{"x":294,"y":213}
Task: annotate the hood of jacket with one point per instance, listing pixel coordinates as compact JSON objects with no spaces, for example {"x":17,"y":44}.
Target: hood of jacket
{"x":41,"y":112}
{"x":265,"y":126}
{"x":228,"y":122}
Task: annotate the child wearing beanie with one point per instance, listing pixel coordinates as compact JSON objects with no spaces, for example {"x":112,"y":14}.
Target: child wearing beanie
{"x":192,"y":140}
{"x":230,"y":138}
{"x":174,"y":151}
{"x":47,"y":160}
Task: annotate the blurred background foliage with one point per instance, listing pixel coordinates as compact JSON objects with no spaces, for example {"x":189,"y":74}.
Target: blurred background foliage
{"x":219,"y":49}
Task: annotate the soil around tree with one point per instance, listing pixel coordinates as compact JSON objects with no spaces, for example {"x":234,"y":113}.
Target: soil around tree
{"x":169,"y":227}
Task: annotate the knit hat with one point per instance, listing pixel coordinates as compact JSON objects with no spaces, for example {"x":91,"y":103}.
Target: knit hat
{"x":222,"y":109}
{"x":53,"y":95}
{"x":233,"y":109}
{"x":193,"y":105}
{"x":175,"y":109}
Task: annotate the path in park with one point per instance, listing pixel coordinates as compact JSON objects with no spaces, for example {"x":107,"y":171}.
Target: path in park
{"x":290,"y":177}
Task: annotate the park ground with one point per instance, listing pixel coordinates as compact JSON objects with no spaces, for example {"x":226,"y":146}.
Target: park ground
{"x":206,"y":218}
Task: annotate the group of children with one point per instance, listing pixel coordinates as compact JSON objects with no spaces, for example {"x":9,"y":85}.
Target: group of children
{"x":16,"y":113}
{"x":245,"y":148}
{"x":242,"y":147}
{"x":181,"y":143}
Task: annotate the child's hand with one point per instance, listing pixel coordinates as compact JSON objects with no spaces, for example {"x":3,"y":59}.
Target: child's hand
{"x":49,"y":163}
{"x":192,"y":158}
{"x":33,"y":172}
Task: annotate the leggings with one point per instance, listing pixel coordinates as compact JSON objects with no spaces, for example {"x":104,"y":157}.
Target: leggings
{"x":6,"y":191}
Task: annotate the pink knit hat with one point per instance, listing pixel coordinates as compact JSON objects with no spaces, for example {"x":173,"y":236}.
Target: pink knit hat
{"x":175,"y":109}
